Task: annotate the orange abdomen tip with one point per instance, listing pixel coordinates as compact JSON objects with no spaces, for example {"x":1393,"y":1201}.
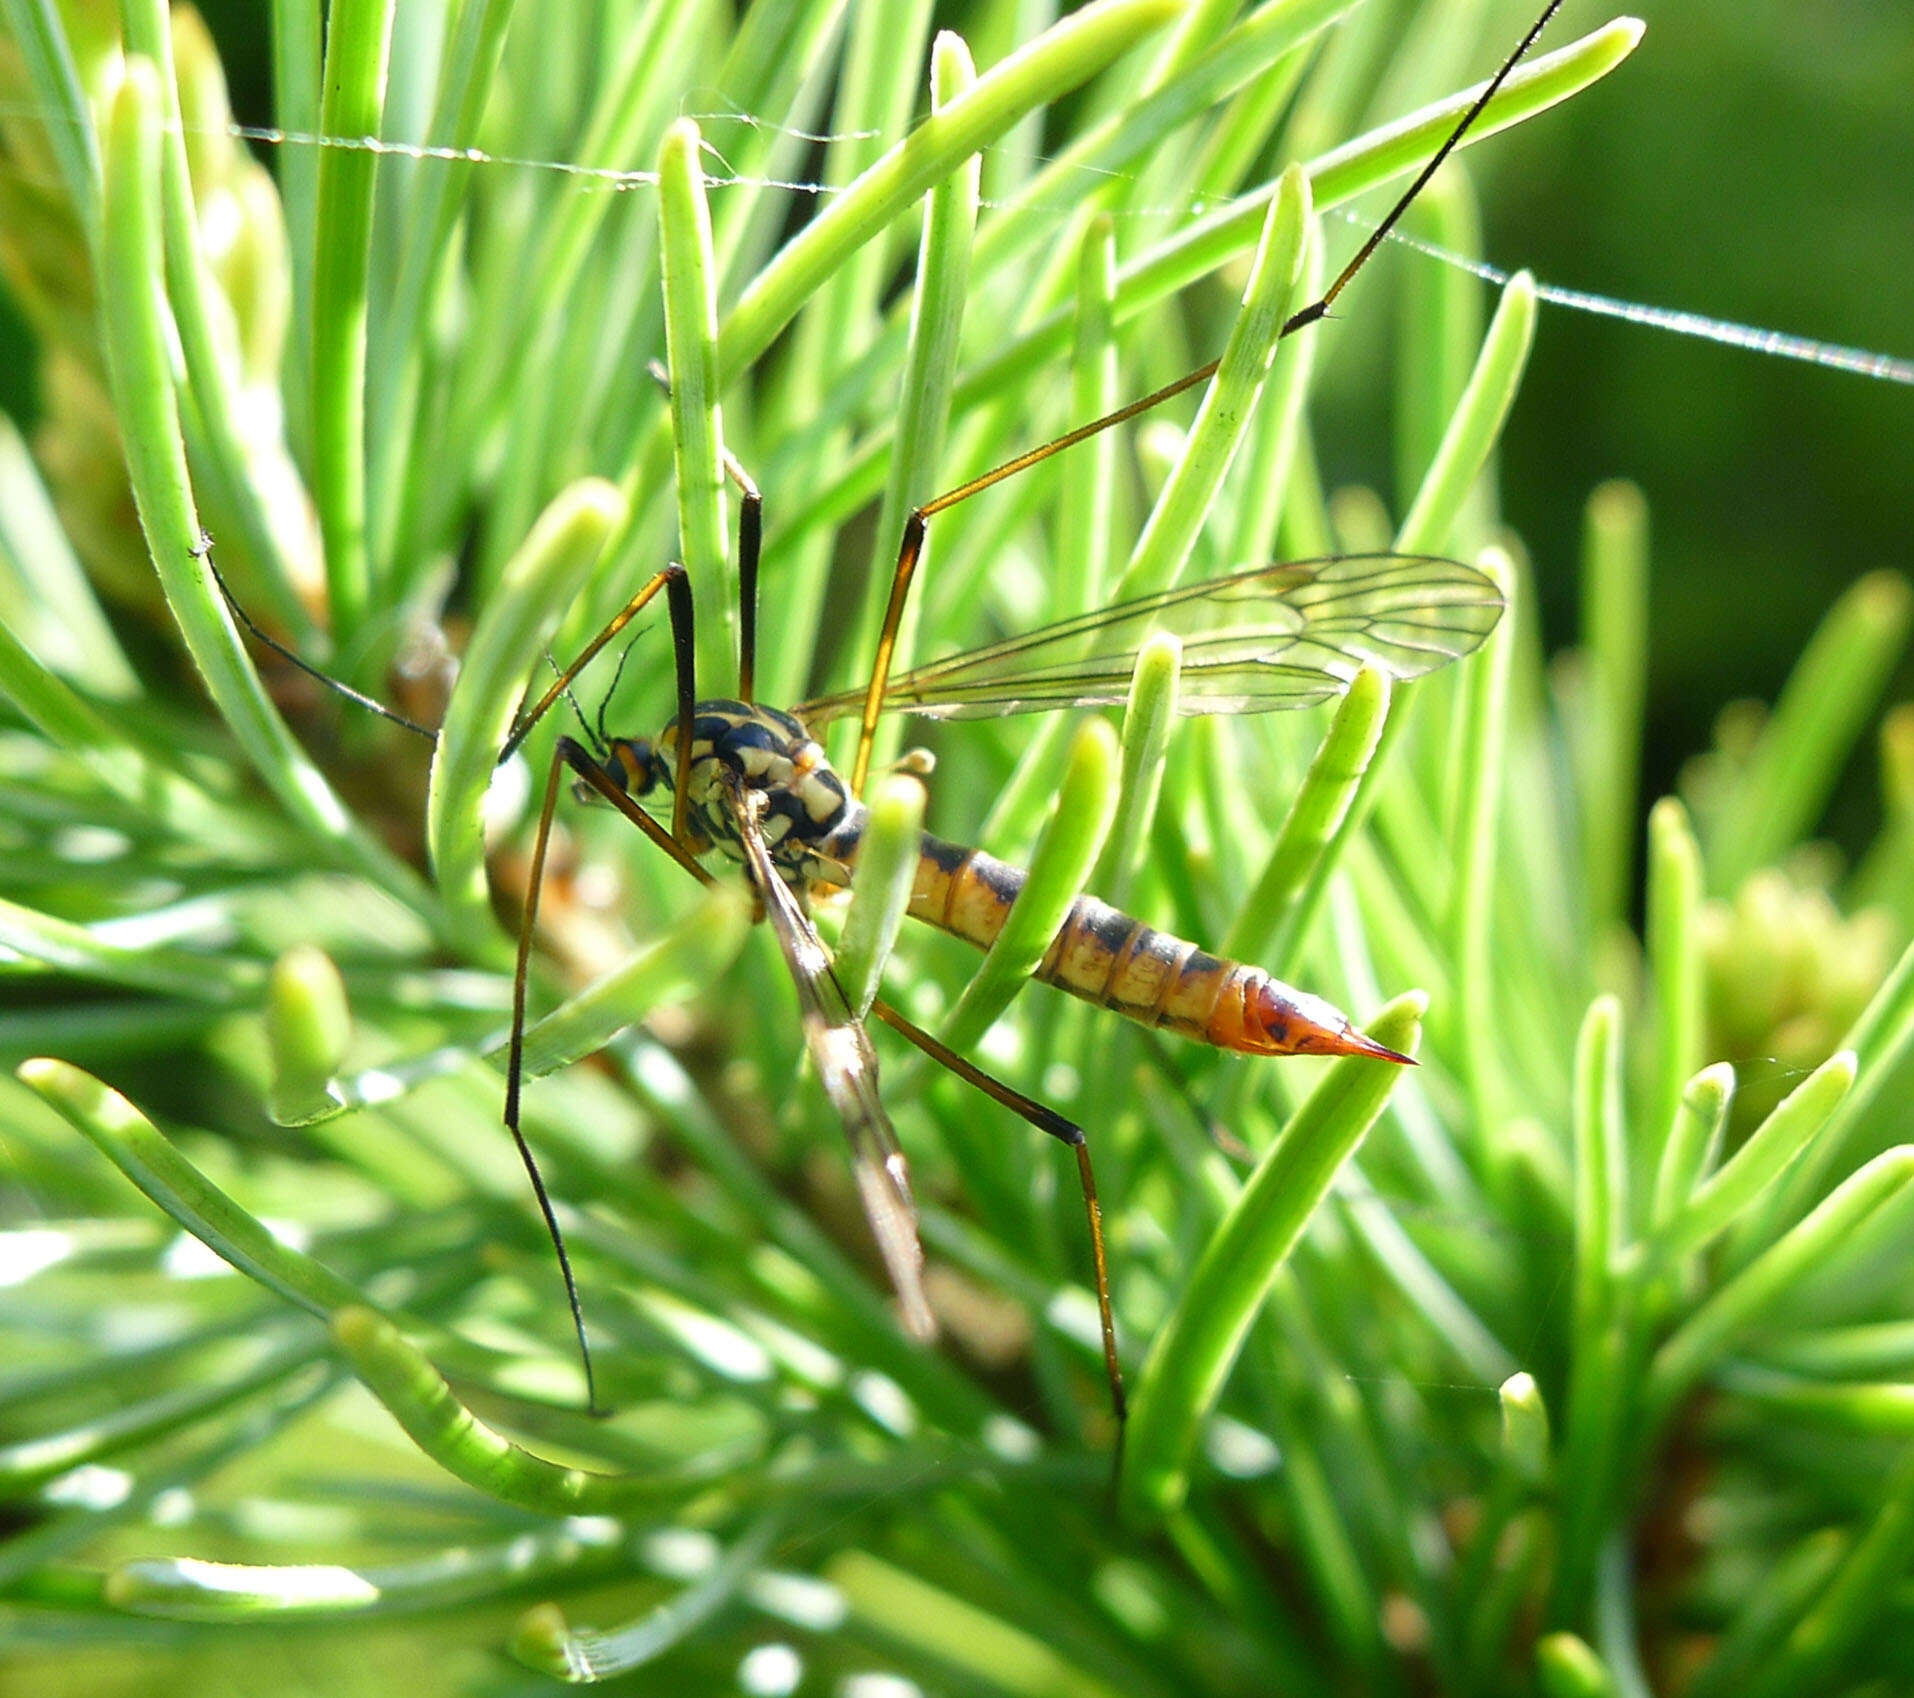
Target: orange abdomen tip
{"x":1278,"y":1020}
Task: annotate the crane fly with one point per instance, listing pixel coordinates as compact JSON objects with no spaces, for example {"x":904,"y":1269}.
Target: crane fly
{"x":753,"y":782}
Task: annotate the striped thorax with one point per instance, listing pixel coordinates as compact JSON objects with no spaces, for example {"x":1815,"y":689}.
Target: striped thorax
{"x":807,"y":816}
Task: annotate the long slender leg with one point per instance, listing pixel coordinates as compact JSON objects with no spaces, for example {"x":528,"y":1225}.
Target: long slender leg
{"x":528,"y":717}
{"x":750,"y":545}
{"x":911,"y":547}
{"x":568,"y":753}
{"x":1028,"y":1108}
{"x":1065,"y":1132}
{"x":1379,"y":235}
{"x":565,"y":753}
{"x":677,"y":587}
{"x":203,"y":550}
{"x":1043,"y":1118}
{"x":591,"y":773}
{"x":685,"y":666}
{"x":562,"y":755}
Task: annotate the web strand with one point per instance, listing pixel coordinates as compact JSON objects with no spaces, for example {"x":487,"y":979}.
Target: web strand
{"x":1866,"y":363}
{"x":1779,"y":344}
{"x":1674,"y":321}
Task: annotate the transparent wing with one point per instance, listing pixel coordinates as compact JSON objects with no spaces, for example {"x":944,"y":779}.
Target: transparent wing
{"x":847,"y":1068}
{"x":1280,"y":637}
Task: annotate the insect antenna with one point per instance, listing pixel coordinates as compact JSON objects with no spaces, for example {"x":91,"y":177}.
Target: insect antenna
{"x":618,"y":672}
{"x":677,"y":588}
{"x":601,"y":744}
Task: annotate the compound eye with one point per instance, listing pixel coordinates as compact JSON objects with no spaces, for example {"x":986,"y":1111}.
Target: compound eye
{"x":631,"y":765}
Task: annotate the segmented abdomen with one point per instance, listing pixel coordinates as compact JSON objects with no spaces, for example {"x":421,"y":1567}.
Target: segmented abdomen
{"x":1104,"y":956}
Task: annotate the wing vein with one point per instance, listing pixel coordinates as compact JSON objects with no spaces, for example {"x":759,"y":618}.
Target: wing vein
{"x":1282,"y":636}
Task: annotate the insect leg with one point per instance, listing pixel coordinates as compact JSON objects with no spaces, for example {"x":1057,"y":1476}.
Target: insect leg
{"x":1379,"y":235}
{"x":589,"y":772}
{"x":1065,"y":1132}
{"x":750,"y":542}
{"x":565,"y":753}
{"x":528,"y":717}
{"x":911,"y":548}
{"x":203,"y":550}
{"x":673,"y":581}
{"x":585,"y":767}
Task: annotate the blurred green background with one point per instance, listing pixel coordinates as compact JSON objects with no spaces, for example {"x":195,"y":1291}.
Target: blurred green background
{"x":1753,"y":162}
